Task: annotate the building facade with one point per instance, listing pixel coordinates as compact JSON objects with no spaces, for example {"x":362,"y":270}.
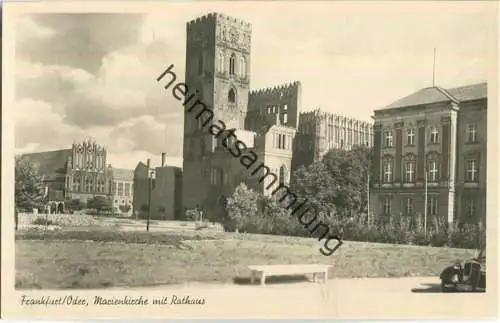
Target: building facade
{"x":159,"y":188}
{"x":431,"y":145}
{"x":122,"y":190}
{"x":320,"y":131}
{"x":76,"y":173}
{"x":218,"y":60}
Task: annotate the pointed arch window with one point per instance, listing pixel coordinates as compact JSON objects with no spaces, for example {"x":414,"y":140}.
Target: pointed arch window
{"x":232,"y":64}
{"x":243,"y":67}
{"x":220,"y":65}
{"x":231,"y":96}
{"x":282,"y":175}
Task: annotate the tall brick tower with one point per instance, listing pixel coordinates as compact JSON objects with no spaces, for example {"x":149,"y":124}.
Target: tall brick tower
{"x":217,"y":67}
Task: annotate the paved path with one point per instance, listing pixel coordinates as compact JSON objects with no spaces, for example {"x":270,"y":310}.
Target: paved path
{"x":360,"y":298}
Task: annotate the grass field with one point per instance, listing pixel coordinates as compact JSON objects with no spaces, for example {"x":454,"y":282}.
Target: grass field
{"x":75,"y":261}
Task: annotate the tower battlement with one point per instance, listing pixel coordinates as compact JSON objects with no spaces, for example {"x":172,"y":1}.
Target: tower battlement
{"x":214,"y":17}
{"x":276,"y":90}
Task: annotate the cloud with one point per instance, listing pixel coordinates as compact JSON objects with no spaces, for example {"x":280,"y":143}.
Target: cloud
{"x":93,"y":75}
{"x":76,"y":40}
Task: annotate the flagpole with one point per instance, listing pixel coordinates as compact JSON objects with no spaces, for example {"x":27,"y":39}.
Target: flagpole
{"x":425,"y":181}
{"x":426,"y":202}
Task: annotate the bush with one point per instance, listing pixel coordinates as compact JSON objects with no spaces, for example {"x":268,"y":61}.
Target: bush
{"x":107,"y":235}
{"x":251,"y":213}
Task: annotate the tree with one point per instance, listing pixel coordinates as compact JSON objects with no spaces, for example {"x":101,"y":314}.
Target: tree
{"x":29,"y":186}
{"x":315,"y":183}
{"x":349,"y":170}
{"x":99,"y":203}
{"x":75,"y":205}
{"x":244,"y":202}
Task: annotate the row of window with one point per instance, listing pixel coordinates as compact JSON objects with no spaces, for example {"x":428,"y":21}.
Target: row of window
{"x":275,"y":109}
{"x":87,"y":161}
{"x":88,"y":185}
{"x":220,"y":177}
{"x":432,"y":206}
{"x":235,"y":65}
{"x":282,"y":141}
{"x":471,"y":136}
{"x":333,"y":133}
{"x":471,"y":171}
{"x":122,"y":189}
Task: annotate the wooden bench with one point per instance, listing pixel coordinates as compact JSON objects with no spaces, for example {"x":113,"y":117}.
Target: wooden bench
{"x":288,"y":270}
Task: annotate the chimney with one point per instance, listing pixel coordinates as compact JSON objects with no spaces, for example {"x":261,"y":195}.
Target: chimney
{"x":148,"y":163}
{"x":163,"y":156}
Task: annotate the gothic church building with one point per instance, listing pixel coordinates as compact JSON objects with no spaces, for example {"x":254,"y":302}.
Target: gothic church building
{"x":218,"y":58}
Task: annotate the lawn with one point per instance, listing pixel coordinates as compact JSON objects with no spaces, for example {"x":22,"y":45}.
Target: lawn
{"x":74,"y":260}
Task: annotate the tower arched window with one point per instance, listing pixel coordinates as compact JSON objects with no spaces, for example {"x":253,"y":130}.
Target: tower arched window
{"x":232,"y":64}
{"x":220,"y":65}
{"x":231,"y":96}
{"x":243,"y":67}
{"x":282,"y":175}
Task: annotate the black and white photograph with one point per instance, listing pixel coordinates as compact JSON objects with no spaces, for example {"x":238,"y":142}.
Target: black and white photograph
{"x":250,"y":159}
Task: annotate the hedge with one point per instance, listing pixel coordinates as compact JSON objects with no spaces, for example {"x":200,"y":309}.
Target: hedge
{"x":468,"y":237}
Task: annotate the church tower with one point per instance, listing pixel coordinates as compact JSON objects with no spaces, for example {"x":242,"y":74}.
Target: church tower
{"x":218,"y":69}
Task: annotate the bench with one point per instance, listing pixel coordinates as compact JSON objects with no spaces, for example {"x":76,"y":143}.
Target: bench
{"x":288,"y":270}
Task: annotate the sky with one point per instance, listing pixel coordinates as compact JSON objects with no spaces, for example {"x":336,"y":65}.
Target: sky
{"x":92,"y":76}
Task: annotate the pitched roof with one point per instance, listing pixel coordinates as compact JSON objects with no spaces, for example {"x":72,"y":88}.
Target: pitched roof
{"x":50,"y":163}
{"x":436,"y":94}
{"x":424,"y":96}
{"x":470,"y":92}
{"x":123,"y":174}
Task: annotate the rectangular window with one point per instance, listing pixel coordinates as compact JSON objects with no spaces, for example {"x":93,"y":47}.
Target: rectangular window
{"x":285,"y":107}
{"x":410,"y":171}
{"x":127,"y":189}
{"x":470,"y":207}
{"x":388,"y":171}
{"x":432,"y":171}
{"x":432,"y":205}
{"x":411,"y":136}
{"x":120,"y":189}
{"x":388,"y":139}
{"x":387,"y":206}
{"x":285,"y":117}
{"x":409,"y":206}
{"x":434,"y":135}
{"x":471,"y":133}
{"x":472,"y":170}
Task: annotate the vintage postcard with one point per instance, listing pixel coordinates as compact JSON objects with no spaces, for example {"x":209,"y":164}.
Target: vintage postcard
{"x":238,"y":159}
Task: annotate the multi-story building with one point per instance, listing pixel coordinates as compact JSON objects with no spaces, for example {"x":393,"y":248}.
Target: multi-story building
{"x":159,"y":187}
{"x":217,"y":67}
{"x":321,"y":131}
{"x":76,"y":173}
{"x":122,"y":190}
{"x":432,"y":141}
